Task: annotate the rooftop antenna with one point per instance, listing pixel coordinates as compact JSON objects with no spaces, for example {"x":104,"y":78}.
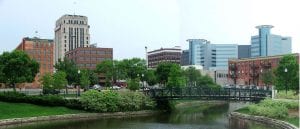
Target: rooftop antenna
{"x":74,"y":3}
{"x":36,"y":34}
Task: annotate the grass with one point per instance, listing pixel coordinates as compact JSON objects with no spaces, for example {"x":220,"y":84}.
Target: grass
{"x":20,"y":110}
{"x":290,"y":95}
{"x":290,"y":119}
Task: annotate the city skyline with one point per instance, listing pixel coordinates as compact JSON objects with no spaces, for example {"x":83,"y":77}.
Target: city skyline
{"x":154,"y":23}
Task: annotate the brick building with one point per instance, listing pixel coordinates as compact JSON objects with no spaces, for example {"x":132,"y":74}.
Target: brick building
{"x":89,"y":57}
{"x":164,"y":55}
{"x":42,"y":51}
{"x":247,"y":71}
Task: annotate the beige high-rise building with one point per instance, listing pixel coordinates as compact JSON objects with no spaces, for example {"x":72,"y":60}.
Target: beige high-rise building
{"x":71,"y":31}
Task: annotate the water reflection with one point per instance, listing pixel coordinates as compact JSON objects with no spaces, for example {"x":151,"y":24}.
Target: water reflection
{"x":193,"y":117}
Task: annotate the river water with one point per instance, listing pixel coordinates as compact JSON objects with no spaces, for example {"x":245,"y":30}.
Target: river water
{"x":194,"y":118}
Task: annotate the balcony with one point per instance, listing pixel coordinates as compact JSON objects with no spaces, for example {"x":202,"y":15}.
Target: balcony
{"x":253,"y":66}
{"x":232,"y":67}
{"x":254,"y":75}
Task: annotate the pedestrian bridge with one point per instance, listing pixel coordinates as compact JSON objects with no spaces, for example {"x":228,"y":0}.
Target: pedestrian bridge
{"x":199,"y":93}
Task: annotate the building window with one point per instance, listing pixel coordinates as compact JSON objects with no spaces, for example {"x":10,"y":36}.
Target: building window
{"x":64,"y":30}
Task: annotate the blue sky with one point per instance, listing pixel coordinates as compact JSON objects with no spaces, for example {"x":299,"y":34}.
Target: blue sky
{"x":130,"y":25}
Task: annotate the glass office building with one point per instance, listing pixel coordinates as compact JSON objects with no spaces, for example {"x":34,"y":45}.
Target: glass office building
{"x":201,"y":52}
{"x":267,"y":44}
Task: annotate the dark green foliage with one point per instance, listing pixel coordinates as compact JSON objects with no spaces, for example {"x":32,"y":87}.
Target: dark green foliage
{"x":289,"y":78}
{"x":70,"y":68}
{"x":192,"y":75}
{"x":150,"y":77}
{"x":133,"y":84}
{"x":84,"y":79}
{"x":17,"y":67}
{"x":162,"y":72}
{"x":206,"y":82}
{"x":59,"y":80}
{"x":175,"y":77}
{"x":44,"y":100}
{"x":267,"y":77}
{"x":106,"y":67}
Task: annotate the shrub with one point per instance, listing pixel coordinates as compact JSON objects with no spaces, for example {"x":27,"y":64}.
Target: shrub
{"x":112,"y":101}
{"x":273,"y":108}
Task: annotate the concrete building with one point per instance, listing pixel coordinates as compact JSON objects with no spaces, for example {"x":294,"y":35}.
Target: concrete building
{"x":184,"y":58}
{"x":201,"y":52}
{"x":164,"y":55}
{"x":71,"y":31}
{"x":247,"y":71}
{"x":89,"y":57}
{"x":42,"y":51}
{"x":244,"y":51}
{"x":267,"y":44}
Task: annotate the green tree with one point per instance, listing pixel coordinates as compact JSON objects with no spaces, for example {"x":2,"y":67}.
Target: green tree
{"x":192,"y":75}
{"x":175,"y":77}
{"x":47,"y":81}
{"x":106,"y":67}
{"x":70,"y":68}
{"x":267,"y":77}
{"x":133,"y":84}
{"x":17,"y":67}
{"x":289,"y":79}
{"x":206,"y":82}
{"x":93,"y":77}
{"x":59,"y":80}
{"x":84,"y":79}
{"x":163,"y":71}
{"x":150,"y":77}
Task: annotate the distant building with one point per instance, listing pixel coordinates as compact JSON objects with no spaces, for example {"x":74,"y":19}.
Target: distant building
{"x":244,"y":51}
{"x":196,"y":51}
{"x":164,"y":55}
{"x":42,"y":51}
{"x":71,"y":31}
{"x":267,"y":44}
{"x":89,"y":57}
{"x":201,"y":52}
{"x":247,"y":71}
{"x":184,"y":58}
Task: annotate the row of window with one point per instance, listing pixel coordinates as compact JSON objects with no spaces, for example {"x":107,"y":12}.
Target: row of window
{"x":75,"y":22}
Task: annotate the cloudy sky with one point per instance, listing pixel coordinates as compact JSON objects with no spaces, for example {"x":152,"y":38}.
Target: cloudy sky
{"x":128,"y":26}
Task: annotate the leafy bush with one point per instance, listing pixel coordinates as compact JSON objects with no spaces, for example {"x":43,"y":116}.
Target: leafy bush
{"x":113,"y":101}
{"x":290,"y":95}
{"x":273,"y":108}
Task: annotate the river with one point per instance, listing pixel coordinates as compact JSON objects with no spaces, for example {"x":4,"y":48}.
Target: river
{"x":215,"y":117}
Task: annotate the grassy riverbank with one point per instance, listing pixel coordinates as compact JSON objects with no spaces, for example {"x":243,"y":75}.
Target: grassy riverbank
{"x":20,"y":110}
{"x":283,"y":110}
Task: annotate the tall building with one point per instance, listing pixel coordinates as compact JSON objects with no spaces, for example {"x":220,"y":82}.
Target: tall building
{"x":196,"y":51}
{"x":211,"y":56}
{"x":71,"y":31}
{"x":185,"y":58}
{"x":42,"y":51}
{"x":244,"y":51}
{"x":248,"y":71}
{"x":164,"y":55}
{"x":267,"y":44}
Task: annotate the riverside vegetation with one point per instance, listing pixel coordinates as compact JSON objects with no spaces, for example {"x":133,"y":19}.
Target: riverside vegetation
{"x":276,"y":109}
{"x":17,"y":105}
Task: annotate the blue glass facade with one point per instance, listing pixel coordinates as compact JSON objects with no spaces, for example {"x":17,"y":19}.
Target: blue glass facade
{"x":266,"y":44}
{"x":201,"y":52}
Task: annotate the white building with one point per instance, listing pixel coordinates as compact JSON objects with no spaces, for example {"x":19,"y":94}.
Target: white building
{"x":71,"y":31}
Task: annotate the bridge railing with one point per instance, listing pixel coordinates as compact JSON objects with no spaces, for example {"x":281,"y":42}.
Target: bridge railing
{"x":208,"y":93}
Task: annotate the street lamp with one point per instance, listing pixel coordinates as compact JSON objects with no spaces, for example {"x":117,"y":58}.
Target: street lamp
{"x":78,"y":87}
{"x":285,"y":70}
